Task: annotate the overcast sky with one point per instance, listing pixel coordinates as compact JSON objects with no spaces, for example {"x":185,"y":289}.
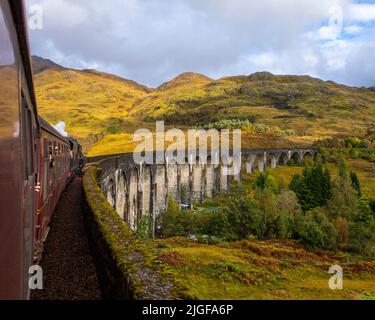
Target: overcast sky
{"x":152,"y":41}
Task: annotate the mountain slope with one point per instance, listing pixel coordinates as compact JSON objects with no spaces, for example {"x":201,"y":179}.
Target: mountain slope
{"x":103,"y":110}
{"x":304,"y":104}
{"x":91,"y":103}
{"x":40,"y":64}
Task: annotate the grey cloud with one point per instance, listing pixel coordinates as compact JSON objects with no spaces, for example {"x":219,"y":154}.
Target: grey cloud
{"x":151,"y":41}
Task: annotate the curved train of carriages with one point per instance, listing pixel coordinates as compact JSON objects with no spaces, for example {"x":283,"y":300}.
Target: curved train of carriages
{"x":36,"y":162}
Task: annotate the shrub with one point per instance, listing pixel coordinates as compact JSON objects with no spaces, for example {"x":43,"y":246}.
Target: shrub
{"x":284,"y":226}
{"x":143,"y":228}
{"x":360,"y":235}
{"x":113,"y":130}
{"x":342,"y":228}
{"x":175,"y":222}
{"x":287,"y":203}
{"x":329,"y":233}
{"x":311,"y":236}
{"x":372,"y":205}
{"x":344,"y":201}
{"x":247,"y":218}
{"x":266,"y":180}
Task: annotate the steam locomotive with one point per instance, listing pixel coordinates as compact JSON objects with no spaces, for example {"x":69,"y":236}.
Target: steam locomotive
{"x":36,"y":161}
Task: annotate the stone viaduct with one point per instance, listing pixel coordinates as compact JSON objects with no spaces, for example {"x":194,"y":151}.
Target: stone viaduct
{"x":137,"y":191}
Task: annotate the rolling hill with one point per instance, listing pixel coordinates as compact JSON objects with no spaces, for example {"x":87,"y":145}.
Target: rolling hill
{"x":103,"y":110}
{"x":301,"y":103}
{"x":91,"y":103}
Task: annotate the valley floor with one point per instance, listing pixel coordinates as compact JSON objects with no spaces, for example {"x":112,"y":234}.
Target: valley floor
{"x":364,"y":169}
{"x":271,"y":269}
{"x":265,"y":270}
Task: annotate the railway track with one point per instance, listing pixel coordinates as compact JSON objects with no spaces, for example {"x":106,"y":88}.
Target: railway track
{"x":68,"y":268}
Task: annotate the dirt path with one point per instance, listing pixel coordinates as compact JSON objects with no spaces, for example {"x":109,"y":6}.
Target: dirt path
{"x":68,"y":267}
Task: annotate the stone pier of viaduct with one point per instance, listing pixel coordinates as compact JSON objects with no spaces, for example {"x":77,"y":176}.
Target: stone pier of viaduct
{"x":137,"y":191}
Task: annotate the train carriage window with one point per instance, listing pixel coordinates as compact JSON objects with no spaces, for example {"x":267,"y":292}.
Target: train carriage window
{"x":45,"y":168}
{"x":45,"y":149}
{"x":50,"y":155}
{"x":27,"y":137}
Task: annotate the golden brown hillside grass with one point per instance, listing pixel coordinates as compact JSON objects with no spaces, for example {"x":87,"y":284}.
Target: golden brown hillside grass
{"x":91,"y":104}
{"x":103,"y":111}
{"x":265,"y":270}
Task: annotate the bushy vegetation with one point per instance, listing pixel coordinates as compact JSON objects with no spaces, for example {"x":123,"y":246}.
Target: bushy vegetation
{"x":264,"y":270}
{"x":315,"y":209}
{"x":248,"y":125}
{"x":334,"y":149}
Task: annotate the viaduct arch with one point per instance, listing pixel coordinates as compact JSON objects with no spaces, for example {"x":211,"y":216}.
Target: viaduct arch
{"x":139,"y":190}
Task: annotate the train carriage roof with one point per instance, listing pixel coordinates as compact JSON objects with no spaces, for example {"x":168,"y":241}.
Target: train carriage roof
{"x":20,"y":23}
{"x":46,"y":126}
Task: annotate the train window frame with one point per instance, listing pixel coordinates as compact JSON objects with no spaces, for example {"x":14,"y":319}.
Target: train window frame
{"x":46,"y":144}
{"x":27,"y":137}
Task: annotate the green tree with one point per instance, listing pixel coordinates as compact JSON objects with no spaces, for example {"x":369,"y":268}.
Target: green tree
{"x":360,"y":236}
{"x":343,"y":170}
{"x":311,"y":235}
{"x":245,"y":219}
{"x":287,"y":203}
{"x":175,"y":222}
{"x":313,"y":188}
{"x":329,"y":233}
{"x":342,"y":229}
{"x":355,"y":183}
{"x":344,"y":201}
{"x":267,"y":204}
{"x":266,"y":180}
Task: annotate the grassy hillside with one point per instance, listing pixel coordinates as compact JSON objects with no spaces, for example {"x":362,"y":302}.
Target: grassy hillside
{"x":265,"y":270}
{"x":364,"y":169}
{"x":92,"y":104}
{"x":306,"y":105}
{"x":103,"y":110}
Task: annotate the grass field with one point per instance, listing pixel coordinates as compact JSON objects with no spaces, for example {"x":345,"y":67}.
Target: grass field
{"x":265,"y":270}
{"x":364,"y":169}
{"x":256,"y":269}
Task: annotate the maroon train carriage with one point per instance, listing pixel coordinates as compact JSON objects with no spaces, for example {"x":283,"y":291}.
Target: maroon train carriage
{"x":35,"y":160}
{"x":18,"y":149}
{"x":77,"y":160}
{"x":54,"y":170}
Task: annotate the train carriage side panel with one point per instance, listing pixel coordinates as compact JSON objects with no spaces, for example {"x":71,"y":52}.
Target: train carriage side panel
{"x":53,"y":173}
{"x":18,"y":129}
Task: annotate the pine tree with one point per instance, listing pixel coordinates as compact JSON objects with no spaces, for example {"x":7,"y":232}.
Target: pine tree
{"x":313,"y":188}
{"x":355,"y":183}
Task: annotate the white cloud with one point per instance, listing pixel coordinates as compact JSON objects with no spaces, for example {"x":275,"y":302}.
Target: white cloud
{"x":152,"y":41}
{"x":353,"y":30}
{"x":329,"y":33}
{"x":363,"y":12}
{"x":60,"y":127}
{"x":63,"y":13}
{"x":335,"y":54}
